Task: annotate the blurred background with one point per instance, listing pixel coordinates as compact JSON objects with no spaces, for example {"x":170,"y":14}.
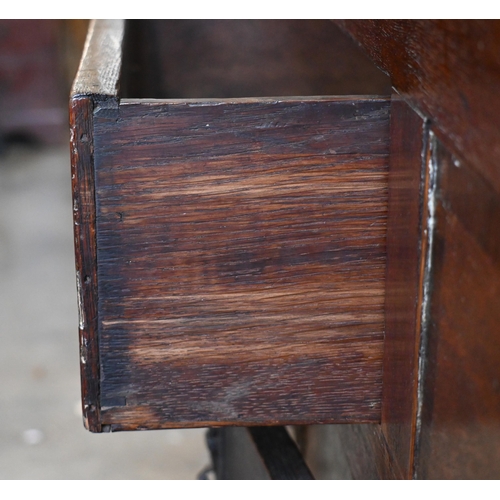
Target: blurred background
{"x":41,"y":430}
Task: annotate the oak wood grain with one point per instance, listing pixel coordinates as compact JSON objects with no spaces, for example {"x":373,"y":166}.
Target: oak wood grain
{"x":235,"y":252}
{"x":386,"y":451}
{"x":241,"y":260}
{"x":99,"y":70}
{"x":84,"y":218}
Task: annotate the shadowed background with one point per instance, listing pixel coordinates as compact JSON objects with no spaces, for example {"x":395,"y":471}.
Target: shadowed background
{"x":41,"y":430}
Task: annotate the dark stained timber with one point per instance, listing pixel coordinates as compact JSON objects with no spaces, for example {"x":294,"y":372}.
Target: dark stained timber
{"x":82,"y":173}
{"x":406,"y":252}
{"x":460,"y":418}
{"x":448,"y":69}
{"x":241,"y":260}
{"x":227,"y":58}
{"x":96,"y":82}
{"x":386,"y":451}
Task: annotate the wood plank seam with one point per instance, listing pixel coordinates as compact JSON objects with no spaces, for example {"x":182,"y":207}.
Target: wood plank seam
{"x":426,"y":252}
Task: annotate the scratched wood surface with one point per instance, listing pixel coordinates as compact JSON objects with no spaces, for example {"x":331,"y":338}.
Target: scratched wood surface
{"x":101,"y":61}
{"x":96,"y":82}
{"x":82,"y":175}
{"x":241,"y":260}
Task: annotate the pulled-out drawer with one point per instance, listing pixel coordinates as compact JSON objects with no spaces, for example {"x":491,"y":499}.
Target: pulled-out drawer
{"x":230,"y":248}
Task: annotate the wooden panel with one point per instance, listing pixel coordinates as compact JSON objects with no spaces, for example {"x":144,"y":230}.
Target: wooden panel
{"x":244,"y":58}
{"x":256,"y":453}
{"x":241,"y":260}
{"x":450,"y":71}
{"x":386,"y":451}
{"x":460,"y":421}
{"x":406,"y":251}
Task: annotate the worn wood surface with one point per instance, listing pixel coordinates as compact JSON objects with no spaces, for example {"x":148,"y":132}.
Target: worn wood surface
{"x":239,"y":245}
{"x":460,"y":436}
{"x":95,"y":86}
{"x":241,"y":260}
{"x":84,"y":216}
{"x":244,"y":58}
{"x":386,"y":451}
{"x":100,"y":66}
{"x":256,"y":453}
{"x":450,"y":71}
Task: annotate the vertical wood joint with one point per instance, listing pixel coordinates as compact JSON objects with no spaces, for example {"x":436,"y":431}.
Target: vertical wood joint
{"x":425,"y":288}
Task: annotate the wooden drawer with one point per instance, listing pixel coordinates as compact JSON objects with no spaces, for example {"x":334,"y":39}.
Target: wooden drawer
{"x":230,"y":246}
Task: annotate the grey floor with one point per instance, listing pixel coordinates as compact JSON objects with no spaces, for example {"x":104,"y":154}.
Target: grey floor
{"x":41,"y":431}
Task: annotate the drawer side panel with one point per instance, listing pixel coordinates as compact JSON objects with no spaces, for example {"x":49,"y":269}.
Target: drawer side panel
{"x":241,"y":261}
